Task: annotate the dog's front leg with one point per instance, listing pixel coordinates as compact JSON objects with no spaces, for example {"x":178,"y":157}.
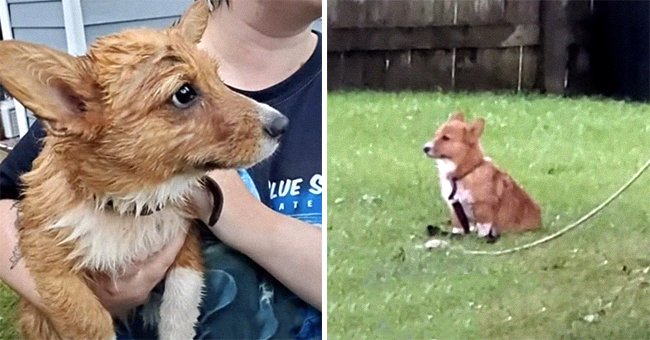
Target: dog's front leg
{"x":456,"y":227}
{"x":72,"y":311}
{"x":179,"y":310}
{"x":485,"y":214}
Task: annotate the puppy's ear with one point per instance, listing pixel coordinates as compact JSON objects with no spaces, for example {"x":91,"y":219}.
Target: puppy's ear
{"x":476,"y":127}
{"x":457,"y":116}
{"x":193,"y":22}
{"x":56,"y":86}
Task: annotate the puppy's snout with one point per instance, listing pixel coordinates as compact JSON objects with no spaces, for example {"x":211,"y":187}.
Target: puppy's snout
{"x":273,"y":122}
{"x":428,"y":148}
{"x":276,"y":126}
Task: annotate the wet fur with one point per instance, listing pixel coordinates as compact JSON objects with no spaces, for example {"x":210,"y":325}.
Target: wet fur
{"x":493,"y":201}
{"x":114,"y":134}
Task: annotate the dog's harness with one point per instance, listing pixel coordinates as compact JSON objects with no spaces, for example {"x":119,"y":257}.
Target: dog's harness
{"x":208,"y":183}
{"x":458,"y":207}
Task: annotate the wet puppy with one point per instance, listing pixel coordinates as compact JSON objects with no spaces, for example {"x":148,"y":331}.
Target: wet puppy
{"x":132,"y":127}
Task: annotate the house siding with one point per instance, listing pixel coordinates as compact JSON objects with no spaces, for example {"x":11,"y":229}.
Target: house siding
{"x":42,"y":21}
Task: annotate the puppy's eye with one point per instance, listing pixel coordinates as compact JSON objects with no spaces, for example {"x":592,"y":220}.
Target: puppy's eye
{"x":184,"y":97}
{"x":445,"y":137}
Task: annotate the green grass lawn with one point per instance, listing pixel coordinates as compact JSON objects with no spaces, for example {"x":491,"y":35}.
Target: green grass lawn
{"x":8,"y":300}
{"x":570,"y":154}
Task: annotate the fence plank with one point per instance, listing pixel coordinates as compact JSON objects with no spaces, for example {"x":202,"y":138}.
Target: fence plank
{"x":418,"y":70}
{"x":480,"y":12}
{"x":521,"y":11}
{"x":476,"y":69}
{"x":490,"y":69}
{"x":425,"y":13}
{"x":389,"y":13}
{"x":355,"y":70}
{"x":432,"y":38}
{"x":393,"y":45}
{"x":557,"y":38}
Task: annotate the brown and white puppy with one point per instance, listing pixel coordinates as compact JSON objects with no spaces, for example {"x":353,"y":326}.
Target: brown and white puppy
{"x":491,"y":199}
{"x":131,"y":128}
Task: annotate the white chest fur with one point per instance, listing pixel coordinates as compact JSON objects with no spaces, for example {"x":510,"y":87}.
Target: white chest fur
{"x":464,"y":196}
{"x":445,"y":167}
{"x":107,"y":241}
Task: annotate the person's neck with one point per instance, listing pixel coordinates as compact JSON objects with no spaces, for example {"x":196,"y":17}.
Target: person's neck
{"x":258,"y":53}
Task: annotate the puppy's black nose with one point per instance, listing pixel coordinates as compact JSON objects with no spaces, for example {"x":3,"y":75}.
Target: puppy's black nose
{"x":277,"y":126}
{"x":426,"y":149}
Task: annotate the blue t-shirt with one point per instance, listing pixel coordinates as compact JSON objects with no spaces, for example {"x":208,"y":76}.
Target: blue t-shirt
{"x":289,"y":182}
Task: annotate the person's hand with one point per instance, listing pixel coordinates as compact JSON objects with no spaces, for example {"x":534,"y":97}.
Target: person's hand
{"x":133,"y":287}
{"x":201,"y":203}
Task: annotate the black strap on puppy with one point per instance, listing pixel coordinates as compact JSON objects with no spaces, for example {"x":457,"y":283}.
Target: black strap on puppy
{"x":217,"y":198}
{"x":146,"y":210}
{"x":458,"y":208}
{"x":208,"y":183}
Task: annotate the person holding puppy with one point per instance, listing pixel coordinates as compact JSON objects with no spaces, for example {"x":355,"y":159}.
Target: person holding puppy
{"x":265,"y":251}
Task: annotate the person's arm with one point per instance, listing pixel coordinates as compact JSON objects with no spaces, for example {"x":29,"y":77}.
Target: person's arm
{"x":12,"y":268}
{"x":129,"y":290}
{"x":287,"y":248}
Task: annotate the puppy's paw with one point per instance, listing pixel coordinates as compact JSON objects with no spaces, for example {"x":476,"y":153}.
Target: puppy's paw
{"x":491,"y":239}
{"x":457,"y":231}
{"x":492,"y":236}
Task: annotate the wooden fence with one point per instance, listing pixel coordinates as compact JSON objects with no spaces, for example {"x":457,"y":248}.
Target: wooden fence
{"x":451,"y":44}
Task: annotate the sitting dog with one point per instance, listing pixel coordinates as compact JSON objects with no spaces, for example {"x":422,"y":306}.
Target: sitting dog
{"x":480,"y":195}
{"x":132,"y":128}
